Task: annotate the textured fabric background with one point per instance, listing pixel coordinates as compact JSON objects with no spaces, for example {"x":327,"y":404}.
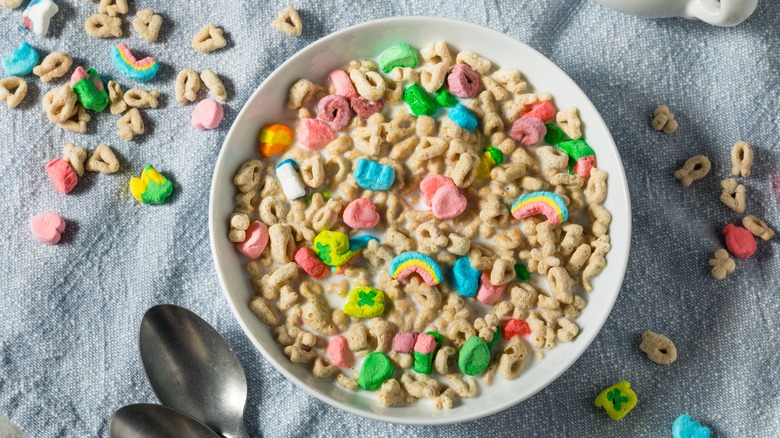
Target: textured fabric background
{"x":69,"y":314}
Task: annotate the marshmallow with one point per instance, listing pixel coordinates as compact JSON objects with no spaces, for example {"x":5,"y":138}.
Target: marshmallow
{"x":21,"y":61}
{"x":339,"y":352}
{"x":334,"y":109}
{"x":371,"y":175}
{"x":463,"y":81}
{"x":62,"y":175}
{"x":448,"y":202}
{"x":207,"y":114}
{"x":528,"y":130}
{"x":315,"y":134}
{"x":38,"y":15}
{"x":47,"y":227}
{"x":291,"y":181}
{"x":256,"y":240}
{"x":361,"y":214}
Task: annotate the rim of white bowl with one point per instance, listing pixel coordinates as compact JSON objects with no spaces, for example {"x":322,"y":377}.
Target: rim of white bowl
{"x":589,"y":335}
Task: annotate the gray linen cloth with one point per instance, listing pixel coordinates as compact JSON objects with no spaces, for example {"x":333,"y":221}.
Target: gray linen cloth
{"x":69,"y":314}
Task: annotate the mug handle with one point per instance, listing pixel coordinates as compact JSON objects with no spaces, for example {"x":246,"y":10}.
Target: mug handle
{"x":723,"y":12}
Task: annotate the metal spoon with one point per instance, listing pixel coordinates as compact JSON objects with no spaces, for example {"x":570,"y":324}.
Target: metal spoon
{"x":191,"y":368}
{"x":155,"y":421}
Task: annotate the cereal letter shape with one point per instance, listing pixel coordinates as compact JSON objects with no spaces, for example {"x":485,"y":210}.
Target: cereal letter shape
{"x":209,"y":39}
{"x":102,"y":160}
{"x":694,"y":169}
{"x":89,"y":88}
{"x":311,"y":264}
{"x":11,"y":4}
{"x":658,"y":348}
{"x":13,"y":90}
{"x":187,"y":86}
{"x":54,"y":66}
{"x":419,"y":101}
{"x":463,"y":117}
{"x":291,"y":181}
{"x":463,"y":81}
{"x":315,"y":134}
{"x":116,"y":98}
{"x":289,"y":22}
{"x":38,"y":15}
{"x":141,"y":70}
{"x":207,"y":114}
{"x":465,"y":278}
{"x":663,"y":120}
{"x":371,"y":175}
{"x":365,"y":302}
{"x":59,"y":103}
{"x":21,"y":61}
{"x":570,"y":123}
{"x":152,"y":188}
{"x":549,"y":204}
{"x":274,"y":139}
{"x":61,"y":175}
{"x":113,"y":8}
{"x":400,"y":55}
{"x":740,"y":242}
{"x":47,"y":227}
{"x":617,"y":400}
{"x":361,"y":214}
{"x":733,"y":195}
{"x":376,"y":369}
{"x":147,"y":24}
{"x":686,"y":427}
{"x":214,"y":84}
{"x":722,"y":264}
{"x":130,"y":124}
{"x":103,"y":26}
{"x":758,"y":227}
{"x":474,"y":356}
{"x":741,"y":159}
{"x":410,"y":262}
{"x":256,"y":240}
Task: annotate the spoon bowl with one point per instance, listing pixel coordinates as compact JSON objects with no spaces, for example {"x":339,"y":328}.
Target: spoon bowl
{"x":191,"y":368}
{"x":155,"y":421}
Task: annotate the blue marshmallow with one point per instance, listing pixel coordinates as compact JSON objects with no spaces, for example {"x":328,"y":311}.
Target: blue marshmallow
{"x":360,"y":242}
{"x":373,"y":176}
{"x":463,"y":117}
{"x":465,"y":278}
{"x":686,"y":427}
{"x":21,"y":61}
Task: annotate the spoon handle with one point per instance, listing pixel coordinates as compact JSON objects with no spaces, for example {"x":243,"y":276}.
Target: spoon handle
{"x":240,"y":433}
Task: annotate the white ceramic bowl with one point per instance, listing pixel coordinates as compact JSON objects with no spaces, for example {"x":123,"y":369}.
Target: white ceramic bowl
{"x":366,"y":41}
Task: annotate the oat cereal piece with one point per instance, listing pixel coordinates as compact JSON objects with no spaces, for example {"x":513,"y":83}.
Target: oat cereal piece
{"x":103,"y":26}
{"x":570,"y":123}
{"x":405,"y":74}
{"x":299,"y":355}
{"x":369,"y":84}
{"x":102,"y":160}
{"x":459,"y":331}
{"x":346,"y":382}
{"x":288,"y":22}
{"x":147,"y":24}
{"x":758,"y":227}
{"x":477,"y":63}
{"x":77,"y":122}
{"x":264,"y":311}
{"x":11,"y":4}
{"x":568,"y":330}
{"x":248,"y":175}
{"x":116,"y":98}
{"x":432,"y":76}
{"x":391,"y":394}
{"x":59,"y":103}
{"x":509,"y":79}
{"x":282,"y":243}
{"x":130,"y":125}
{"x":741,"y":159}
{"x":513,"y":359}
{"x":187,"y":86}
{"x":663,"y":120}
{"x":302,"y":92}
{"x":209,"y":38}
{"x":13,"y":90}
{"x":722,"y":264}
{"x":695,"y":168}
{"x":138,"y":98}
{"x":75,"y":156}
{"x":420,"y":385}
{"x":733,"y":195}
{"x":437,"y":53}
{"x":315,"y":316}
{"x":445,"y":359}
{"x":323,"y":368}
{"x":53,"y":66}
{"x":658,"y":348}
{"x":596,"y":191}
{"x":113,"y":8}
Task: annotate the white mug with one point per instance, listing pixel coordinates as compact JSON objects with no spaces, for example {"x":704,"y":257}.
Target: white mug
{"x":717,"y":12}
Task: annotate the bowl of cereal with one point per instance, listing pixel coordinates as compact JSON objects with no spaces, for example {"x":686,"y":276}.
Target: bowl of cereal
{"x":411,"y":219}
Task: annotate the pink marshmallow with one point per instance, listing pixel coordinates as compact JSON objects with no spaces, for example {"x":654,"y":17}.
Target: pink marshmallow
{"x":584,"y":165}
{"x":537,"y":208}
{"x":361,"y":214}
{"x":489,"y":293}
{"x":311,"y":264}
{"x":315,"y":134}
{"x":339,"y":352}
{"x":448,"y":202}
{"x":207,"y":114}
{"x":365,"y":108}
{"x":541,"y":110}
{"x":343,"y":84}
{"x":463,"y":81}
{"x":430,"y":184}
{"x":256,"y":240}
{"x":425,"y":344}
{"x":404,"y":342}
{"x":47,"y":227}
{"x":528,"y":130}
{"x":78,"y":75}
{"x":334,"y":109}
{"x":61,"y":175}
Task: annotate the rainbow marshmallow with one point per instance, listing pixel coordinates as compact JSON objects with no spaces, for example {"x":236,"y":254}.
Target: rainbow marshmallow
{"x":409,"y":262}
{"x":139,"y":70}
{"x":546,"y":203}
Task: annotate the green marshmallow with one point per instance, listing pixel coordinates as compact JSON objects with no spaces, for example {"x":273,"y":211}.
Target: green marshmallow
{"x":420,"y":102}
{"x":576,"y":149}
{"x":521,"y":272}
{"x":91,"y":92}
{"x":376,"y":369}
{"x":495,"y":154}
{"x":423,"y":363}
{"x":437,"y":336}
{"x":496,"y":335}
{"x":474,"y":356}
{"x":445,"y":98}
{"x":554,"y":134}
{"x":401,"y":55}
